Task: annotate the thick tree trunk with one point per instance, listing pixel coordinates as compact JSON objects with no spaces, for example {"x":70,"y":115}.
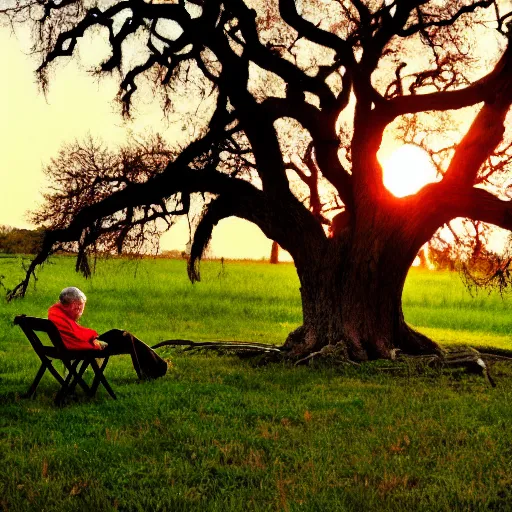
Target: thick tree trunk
{"x":352,"y":296}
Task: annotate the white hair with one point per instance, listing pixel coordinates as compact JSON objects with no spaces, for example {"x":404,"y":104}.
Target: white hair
{"x":71,"y":294}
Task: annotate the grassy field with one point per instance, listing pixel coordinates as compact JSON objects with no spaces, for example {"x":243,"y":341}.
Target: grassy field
{"x":220,"y":434}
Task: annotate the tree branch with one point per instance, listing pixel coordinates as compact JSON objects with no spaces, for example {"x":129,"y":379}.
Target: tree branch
{"x":477,"y":204}
{"x":344,"y":52}
{"x":287,"y":222}
{"x":477,"y":92}
{"x":253,"y":119}
{"x":269,"y":60}
{"x":321,"y":127}
{"x":466,"y":9}
{"x":482,"y":138}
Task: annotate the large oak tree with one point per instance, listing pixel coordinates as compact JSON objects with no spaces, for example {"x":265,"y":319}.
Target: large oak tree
{"x":339,"y":72}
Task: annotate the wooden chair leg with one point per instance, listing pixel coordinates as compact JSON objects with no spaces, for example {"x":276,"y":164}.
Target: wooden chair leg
{"x":55,"y":373}
{"x":100,"y":378}
{"x":78,"y":377}
{"x":45,"y":365}
{"x":67,"y":385}
{"x":73,"y":378}
{"x":31,"y":393}
{"x":101,"y":368}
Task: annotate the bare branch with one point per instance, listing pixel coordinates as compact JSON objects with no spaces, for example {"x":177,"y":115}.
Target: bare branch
{"x":307,"y":29}
{"x":484,"y":135}
{"x":481,"y":90}
{"x":466,"y":9}
{"x":478,"y":204}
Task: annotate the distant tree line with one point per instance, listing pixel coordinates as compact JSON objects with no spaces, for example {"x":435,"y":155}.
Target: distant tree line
{"x":20,"y":241}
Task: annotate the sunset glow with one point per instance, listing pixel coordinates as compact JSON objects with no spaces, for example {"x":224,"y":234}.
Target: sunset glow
{"x":407,"y":170}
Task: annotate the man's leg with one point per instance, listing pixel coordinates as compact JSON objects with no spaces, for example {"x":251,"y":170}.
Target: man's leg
{"x":146,"y":362}
{"x":119,"y":342}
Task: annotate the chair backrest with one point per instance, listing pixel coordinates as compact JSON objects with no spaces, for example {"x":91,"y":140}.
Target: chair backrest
{"x":31,"y":324}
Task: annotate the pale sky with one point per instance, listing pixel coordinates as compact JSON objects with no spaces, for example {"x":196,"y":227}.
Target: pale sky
{"x":33,"y":128}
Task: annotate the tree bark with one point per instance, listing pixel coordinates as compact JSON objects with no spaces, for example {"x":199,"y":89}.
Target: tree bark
{"x":351,"y":290}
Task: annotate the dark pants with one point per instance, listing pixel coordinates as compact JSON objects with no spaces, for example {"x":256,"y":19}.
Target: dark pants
{"x":146,"y":362}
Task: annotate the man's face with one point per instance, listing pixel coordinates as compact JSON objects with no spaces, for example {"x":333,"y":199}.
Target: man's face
{"x":76,"y":309}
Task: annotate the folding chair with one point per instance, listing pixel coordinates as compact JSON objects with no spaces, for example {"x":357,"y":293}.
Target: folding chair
{"x":75,"y":361}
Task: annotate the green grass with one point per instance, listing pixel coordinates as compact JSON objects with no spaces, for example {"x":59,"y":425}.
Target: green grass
{"x":438,"y":304}
{"x":219,"y":434}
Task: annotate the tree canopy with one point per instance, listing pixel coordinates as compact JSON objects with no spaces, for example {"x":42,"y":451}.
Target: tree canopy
{"x":323,"y":80}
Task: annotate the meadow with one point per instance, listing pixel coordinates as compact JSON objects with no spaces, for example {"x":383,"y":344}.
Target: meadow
{"x":219,"y":433}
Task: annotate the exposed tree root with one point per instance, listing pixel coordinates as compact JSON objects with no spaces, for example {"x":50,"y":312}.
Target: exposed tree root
{"x":467,"y":358}
{"x":221,"y":346}
{"x":332,"y":352}
{"x":498,"y":354}
{"x":475,"y":360}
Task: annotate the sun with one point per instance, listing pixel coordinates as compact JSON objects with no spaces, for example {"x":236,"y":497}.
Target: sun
{"x":407,"y":170}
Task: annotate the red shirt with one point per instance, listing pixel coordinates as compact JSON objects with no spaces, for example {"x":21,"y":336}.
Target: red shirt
{"x":74,"y":336}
